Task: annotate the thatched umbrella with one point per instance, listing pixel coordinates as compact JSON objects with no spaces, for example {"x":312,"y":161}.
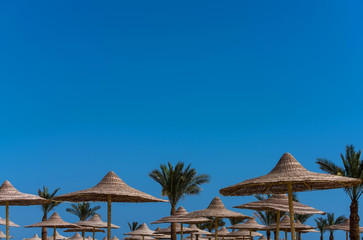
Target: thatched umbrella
{"x":115,"y":238}
{"x":198,"y":231}
{"x":243,"y":234}
{"x":54,"y":222}
{"x":218,"y":210}
{"x":57,"y":236}
{"x":2,"y":235}
{"x":35,"y":237}
{"x":279,"y":203}
{"x":11,"y":224}
{"x":138,"y":238}
{"x":288,"y":176}
{"x":143,"y":231}
{"x":95,"y":222}
{"x":250,"y":225}
{"x":76,"y":236}
{"x":179,"y":217}
{"x":177,"y":230}
{"x":262,"y":238}
{"x":345,"y":226}
{"x":110,"y":189}
{"x":221,"y":232}
{"x":11,"y":196}
{"x":84,"y":229}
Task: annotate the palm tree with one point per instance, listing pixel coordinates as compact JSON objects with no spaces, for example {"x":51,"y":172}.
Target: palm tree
{"x":178,"y":182}
{"x":302,"y":219}
{"x":332,"y":221}
{"x":47,"y":207}
{"x":234,"y":221}
{"x":321,"y":224}
{"x":133,"y":226}
{"x":210,"y":225}
{"x":83,"y":210}
{"x":353,"y":167}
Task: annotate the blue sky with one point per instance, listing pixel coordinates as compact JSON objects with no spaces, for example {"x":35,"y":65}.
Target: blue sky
{"x":92,"y":86}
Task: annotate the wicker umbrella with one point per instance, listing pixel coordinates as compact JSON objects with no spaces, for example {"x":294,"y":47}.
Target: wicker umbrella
{"x":177,"y":230}
{"x":286,"y":177}
{"x":143,"y":231}
{"x":54,"y":221}
{"x":95,"y":222}
{"x":138,"y":238}
{"x":221,"y":232}
{"x":2,"y":235}
{"x":343,"y":226}
{"x":11,"y":196}
{"x":115,"y":238}
{"x":178,"y":217}
{"x":278,"y":203}
{"x":11,"y":224}
{"x":57,"y":236}
{"x":110,"y":189}
{"x":35,"y":237}
{"x":84,"y":229}
{"x":198,"y":231}
{"x":250,"y":225}
{"x":243,"y":233}
{"x":218,"y":210}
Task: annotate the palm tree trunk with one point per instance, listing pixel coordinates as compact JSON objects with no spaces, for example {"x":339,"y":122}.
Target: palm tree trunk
{"x":321,"y":236}
{"x":331,"y":237}
{"x":173,"y":225}
{"x":44,"y":230}
{"x":354,"y":221}
{"x":268,"y":234}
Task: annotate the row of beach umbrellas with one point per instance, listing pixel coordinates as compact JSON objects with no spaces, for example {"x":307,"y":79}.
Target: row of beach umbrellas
{"x":287,"y":176}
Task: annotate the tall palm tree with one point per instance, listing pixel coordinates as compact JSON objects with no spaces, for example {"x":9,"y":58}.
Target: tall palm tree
{"x":321,"y":224}
{"x":83,"y":210}
{"x":332,"y":221}
{"x":352,"y":167}
{"x":133,"y":226}
{"x":178,"y":182}
{"x":47,"y":207}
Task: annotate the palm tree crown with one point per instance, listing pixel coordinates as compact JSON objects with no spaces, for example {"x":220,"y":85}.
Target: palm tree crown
{"x":133,"y":226}
{"x":83,"y":210}
{"x":321,"y":224}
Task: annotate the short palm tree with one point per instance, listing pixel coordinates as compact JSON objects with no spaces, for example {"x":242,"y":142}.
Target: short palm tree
{"x":133,"y":226}
{"x":177,"y":182}
{"x":352,"y":167}
{"x":330,"y":220}
{"x":234,"y":221}
{"x":83,"y":210}
{"x":46,"y":208}
{"x":321,"y":224}
{"x":302,"y":219}
{"x":210,"y":225}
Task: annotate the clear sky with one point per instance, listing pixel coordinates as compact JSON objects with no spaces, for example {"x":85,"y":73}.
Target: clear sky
{"x":229,"y":86}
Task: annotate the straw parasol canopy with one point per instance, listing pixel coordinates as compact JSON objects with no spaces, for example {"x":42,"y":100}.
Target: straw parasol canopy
{"x":286,"y":177}
{"x":110,"y":189}
{"x":84,"y":229}
{"x":95,"y":222}
{"x":243,"y":233}
{"x":218,"y":210}
{"x":115,"y":238}
{"x":57,"y":236}
{"x":11,"y":224}
{"x":35,"y":237}
{"x":76,"y":236}
{"x":221,"y":232}
{"x":138,"y":238}
{"x":54,"y":221}
{"x":143,"y":231}
{"x":2,"y":235}
{"x":177,"y":230}
{"x":262,"y":238}
{"x":9,"y":195}
{"x":179,"y":217}
{"x":343,"y":226}
{"x":198,"y":231}
{"x":285,"y":225}
{"x":250,"y":225}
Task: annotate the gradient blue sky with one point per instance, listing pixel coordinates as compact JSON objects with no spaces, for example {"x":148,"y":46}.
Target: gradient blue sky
{"x":92,"y":86}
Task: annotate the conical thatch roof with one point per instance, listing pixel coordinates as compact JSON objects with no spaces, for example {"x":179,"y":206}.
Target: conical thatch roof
{"x":262,"y":238}
{"x":135,"y":237}
{"x":115,"y":238}
{"x":198,"y":230}
{"x":57,"y":236}
{"x":54,"y":221}
{"x":35,"y":237}
{"x":179,"y":217}
{"x":95,"y":221}
{"x":243,"y":233}
{"x":11,"y":224}
{"x":2,"y":235}
{"x":194,"y":238}
{"x":110,"y":185}
{"x":84,"y":229}
{"x":143,"y":230}
{"x":216,"y":209}
{"x":11,"y":195}
{"x":285,"y":225}
{"x":345,"y":226}
{"x":250,"y":224}
{"x":221,"y":232}
{"x":309,"y":231}
{"x":177,"y":229}
{"x":76,"y":236}
{"x":279,"y":202}
{"x":288,"y":170}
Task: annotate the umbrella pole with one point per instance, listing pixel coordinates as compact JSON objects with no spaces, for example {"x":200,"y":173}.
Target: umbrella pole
{"x":285,"y":235}
{"x":291,"y":209}
{"x":181,"y":231}
{"x":277,"y":226}
{"x":93,"y":233}
{"x":250,"y":234}
{"x":83,"y":234}
{"x":108,"y":217}
{"x":54,"y":233}
{"x":215,"y":228}
{"x":7,"y":220}
{"x":191,"y":236}
{"x":346,"y":235}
